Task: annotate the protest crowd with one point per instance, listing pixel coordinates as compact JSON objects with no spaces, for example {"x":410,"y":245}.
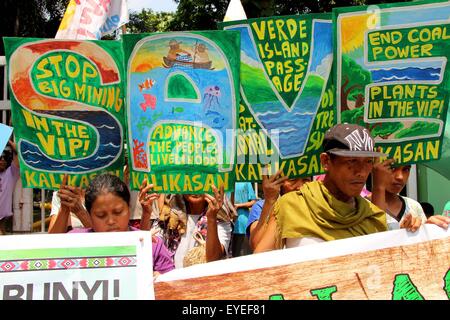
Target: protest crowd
{"x":293,"y":211}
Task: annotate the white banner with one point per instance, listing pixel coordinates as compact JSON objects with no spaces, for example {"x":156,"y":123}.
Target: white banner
{"x":77,"y":266}
{"x":92,"y":19}
{"x":387,"y":265}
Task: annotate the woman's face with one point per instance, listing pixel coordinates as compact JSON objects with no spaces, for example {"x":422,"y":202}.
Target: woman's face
{"x":194,"y":198}
{"x":110,"y":213}
{"x":294,"y":184}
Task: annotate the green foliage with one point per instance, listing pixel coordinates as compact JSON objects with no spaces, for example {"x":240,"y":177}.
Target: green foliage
{"x":266,"y":8}
{"x":149,"y":21}
{"x":41,"y":18}
{"x":198,"y":14}
{"x":31,"y":18}
{"x":353,"y":116}
{"x":205,"y":14}
{"x":385,"y":129}
{"x":419,"y":128}
{"x":358,"y":77}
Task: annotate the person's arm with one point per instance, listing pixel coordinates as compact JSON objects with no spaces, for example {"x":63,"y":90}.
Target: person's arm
{"x":441,"y":221}
{"x":214,"y":249}
{"x":268,"y":237}
{"x":146,"y":200}
{"x":259,"y":227}
{"x":71,"y":200}
{"x":271,"y":189}
{"x":410,"y":222}
{"x":381,"y":173}
{"x":414,"y":216}
{"x":60,"y":220}
{"x":75,"y":202}
{"x":248,"y":204}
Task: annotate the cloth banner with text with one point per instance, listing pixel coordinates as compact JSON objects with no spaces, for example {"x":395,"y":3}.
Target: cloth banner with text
{"x":392,"y":265}
{"x":182,"y":101}
{"x":392,"y":75}
{"x":92,"y":19}
{"x":67,"y":102}
{"x":77,"y":266}
{"x":287,"y":96}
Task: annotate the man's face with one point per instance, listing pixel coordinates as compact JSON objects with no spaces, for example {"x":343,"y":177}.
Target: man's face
{"x":399,"y":179}
{"x":348,"y":175}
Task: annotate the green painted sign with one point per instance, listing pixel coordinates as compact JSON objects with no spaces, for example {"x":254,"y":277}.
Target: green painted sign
{"x":392,"y":75}
{"x":287,"y":96}
{"x":182,"y":109}
{"x":68,"y":106}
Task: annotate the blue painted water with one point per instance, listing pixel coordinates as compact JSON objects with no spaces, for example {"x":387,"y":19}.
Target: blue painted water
{"x":212,"y":110}
{"x":405,"y":74}
{"x":292,"y":127}
{"x":110,"y":144}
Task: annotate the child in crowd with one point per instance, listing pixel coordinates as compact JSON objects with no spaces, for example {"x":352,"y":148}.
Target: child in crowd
{"x":401,"y":212}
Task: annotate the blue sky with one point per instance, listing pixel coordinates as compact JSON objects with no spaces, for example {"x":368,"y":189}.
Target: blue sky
{"x":155,"y":5}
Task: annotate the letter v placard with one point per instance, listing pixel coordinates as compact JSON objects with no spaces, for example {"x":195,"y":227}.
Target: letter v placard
{"x":285,"y":119}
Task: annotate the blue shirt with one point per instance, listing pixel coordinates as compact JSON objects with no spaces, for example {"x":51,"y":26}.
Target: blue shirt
{"x":254,"y":215}
{"x":243,"y":192}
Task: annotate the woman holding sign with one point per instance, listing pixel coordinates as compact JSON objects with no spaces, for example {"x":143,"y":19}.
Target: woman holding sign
{"x":107,"y":201}
{"x":195,"y":227}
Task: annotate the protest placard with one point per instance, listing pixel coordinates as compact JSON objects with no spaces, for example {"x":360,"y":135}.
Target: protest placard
{"x":392,"y":75}
{"x":77,"y":266}
{"x":395,"y":265}
{"x":183,"y":97}
{"x":67,"y":103}
{"x":287,"y":98}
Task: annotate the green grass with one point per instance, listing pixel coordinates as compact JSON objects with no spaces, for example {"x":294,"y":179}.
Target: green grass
{"x":256,"y":86}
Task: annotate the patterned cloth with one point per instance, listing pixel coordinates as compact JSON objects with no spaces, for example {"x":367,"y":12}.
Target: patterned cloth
{"x":176,"y":203}
{"x":162,"y":258}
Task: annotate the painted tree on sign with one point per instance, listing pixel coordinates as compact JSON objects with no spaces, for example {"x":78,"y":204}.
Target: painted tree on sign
{"x":353,"y":87}
{"x":419,"y":127}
